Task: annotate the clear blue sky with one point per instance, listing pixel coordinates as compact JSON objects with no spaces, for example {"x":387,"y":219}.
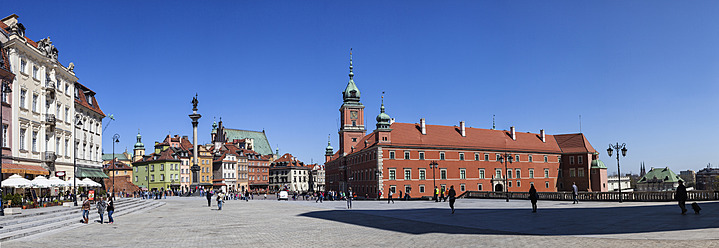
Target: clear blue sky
{"x":641,"y":72}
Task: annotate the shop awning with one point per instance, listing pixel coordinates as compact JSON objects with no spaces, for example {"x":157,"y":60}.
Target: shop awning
{"x":90,"y":172}
{"x":24,"y":169}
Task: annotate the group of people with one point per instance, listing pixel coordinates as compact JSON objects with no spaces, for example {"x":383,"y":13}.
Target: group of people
{"x":101,"y":205}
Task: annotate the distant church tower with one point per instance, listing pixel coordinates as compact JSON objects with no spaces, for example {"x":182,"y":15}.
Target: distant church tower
{"x":139,"y":150}
{"x":351,"y":115}
{"x":642,"y":170}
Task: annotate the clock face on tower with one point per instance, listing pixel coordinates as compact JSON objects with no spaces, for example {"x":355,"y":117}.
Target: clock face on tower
{"x":353,"y":114}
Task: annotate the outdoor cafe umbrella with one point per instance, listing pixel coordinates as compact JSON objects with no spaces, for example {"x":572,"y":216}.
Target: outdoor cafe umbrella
{"x":80,"y":183}
{"x":41,"y":182}
{"x":57,"y":182}
{"x":90,"y":182}
{"x":16,"y":181}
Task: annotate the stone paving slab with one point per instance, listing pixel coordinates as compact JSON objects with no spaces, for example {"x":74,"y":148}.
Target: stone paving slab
{"x":188,"y":222}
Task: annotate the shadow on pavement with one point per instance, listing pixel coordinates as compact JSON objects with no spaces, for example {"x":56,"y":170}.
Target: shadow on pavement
{"x":552,"y":221}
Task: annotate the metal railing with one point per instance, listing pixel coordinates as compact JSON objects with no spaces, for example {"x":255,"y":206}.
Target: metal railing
{"x":597,"y":196}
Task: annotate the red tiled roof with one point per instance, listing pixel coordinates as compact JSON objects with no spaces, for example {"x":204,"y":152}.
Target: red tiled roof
{"x":116,"y":165}
{"x":82,"y":100}
{"x":408,"y":134}
{"x":574,"y":143}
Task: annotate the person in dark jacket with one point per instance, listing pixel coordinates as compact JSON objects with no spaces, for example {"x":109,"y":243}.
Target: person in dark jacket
{"x":681,"y":197}
{"x":209,"y":198}
{"x":533,"y":198}
{"x":110,"y":210}
{"x":451,"y":194}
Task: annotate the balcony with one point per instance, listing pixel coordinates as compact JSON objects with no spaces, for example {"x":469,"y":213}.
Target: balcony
{"x":50,"y":89}
{"x":50,"y":119}
{"x":49,"y":157}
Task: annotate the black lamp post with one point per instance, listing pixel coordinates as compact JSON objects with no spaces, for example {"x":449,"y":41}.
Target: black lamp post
{"x":379,"y":180}
{"x":504,"y":159}
{"x":78,"y":122}
{"x":623,"y":149}
{"x":5,"y":90}
{"x":433,"y":165}
{"x":115,"y":139}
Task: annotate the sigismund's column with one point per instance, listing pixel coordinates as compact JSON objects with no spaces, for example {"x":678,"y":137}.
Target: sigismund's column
{"x":195,"y":168}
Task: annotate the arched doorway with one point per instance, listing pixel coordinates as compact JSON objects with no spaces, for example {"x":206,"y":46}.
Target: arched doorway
{"x":498,"y":188}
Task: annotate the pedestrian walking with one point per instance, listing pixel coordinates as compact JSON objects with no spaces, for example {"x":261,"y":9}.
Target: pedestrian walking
{"x":220,"y":200}
{"x":681,"y":196}
{"x":389,"y":196}
{"x":349,"y":198}
{"x":533,"y":196}
{"x":85,"y":210}
{"x":209,"y":198}
{"x":575,"y":192}
{"x":436,"y":194}
{"x":101,"y":206}
{"x":451,"y":194}
{"x":265,"y":196}
{"x":110,"y":211}
{"x":446,"y":194}
{"x":441,"y":195}
{"x":400,"y":195}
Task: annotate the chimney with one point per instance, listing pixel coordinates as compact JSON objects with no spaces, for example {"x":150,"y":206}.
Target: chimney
{"x":184,"y":136}
{"x":461,"y":129}
{"x":541,"y":133}
{"x":422,"y":126}
{"x":511,"y":131}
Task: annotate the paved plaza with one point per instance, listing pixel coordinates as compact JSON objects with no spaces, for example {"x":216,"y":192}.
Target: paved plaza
{"x":188,"y":222}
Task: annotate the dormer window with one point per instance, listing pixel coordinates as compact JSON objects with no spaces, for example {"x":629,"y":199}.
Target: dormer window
{"x":88,"y":97}
{"x":77,"y":93}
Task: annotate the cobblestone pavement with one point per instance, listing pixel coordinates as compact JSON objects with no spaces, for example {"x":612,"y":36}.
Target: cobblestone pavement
{"x":188,"y":222}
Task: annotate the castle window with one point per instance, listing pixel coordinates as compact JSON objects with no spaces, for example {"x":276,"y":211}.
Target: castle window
{"x":391,"y":154}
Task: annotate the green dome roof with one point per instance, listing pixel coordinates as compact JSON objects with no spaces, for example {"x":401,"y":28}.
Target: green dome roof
{"x":139,"y":144}
{"x":598,"y":164}
{"x":383,"y":119}
{"x":351,"y":93}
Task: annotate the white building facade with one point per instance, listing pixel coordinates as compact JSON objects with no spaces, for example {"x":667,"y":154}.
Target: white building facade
{"x":613,"y":183}
{"x":44,"y":108}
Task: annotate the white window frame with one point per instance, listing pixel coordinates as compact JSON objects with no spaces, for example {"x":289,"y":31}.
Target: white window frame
{"x":392,"y":174}
{"x":531,"y":173}
{"x":443,"y":174}
{"x":546,"y":173}
{"x":481,"y":173}
{"x":518,"y":173}
{"x":422,"y":174}
{"x":407,"y":172}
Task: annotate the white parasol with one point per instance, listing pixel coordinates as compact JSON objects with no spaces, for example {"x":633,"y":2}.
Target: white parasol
{"x":16,"y":181}
{"x":41,"y":182}
{"x":57,"y":182}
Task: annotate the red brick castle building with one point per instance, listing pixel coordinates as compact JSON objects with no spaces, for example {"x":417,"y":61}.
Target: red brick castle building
{"x":414,"y":157}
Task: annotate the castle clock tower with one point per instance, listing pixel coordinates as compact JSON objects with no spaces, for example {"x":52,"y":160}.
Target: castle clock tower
{"x":351,"y":116}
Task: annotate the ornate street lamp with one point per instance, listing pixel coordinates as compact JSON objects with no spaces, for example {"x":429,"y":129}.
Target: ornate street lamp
{"x":115,"y":139}
{"x":78,"y":122}
{"x":433,"y":165}
{"x":5,"y":90}
{"x":509,"y":157}
{"x":623,"y":149}
{"x":379,"y":181}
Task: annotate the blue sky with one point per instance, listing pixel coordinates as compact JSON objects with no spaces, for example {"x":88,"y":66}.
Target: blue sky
{"x":643,"y":73}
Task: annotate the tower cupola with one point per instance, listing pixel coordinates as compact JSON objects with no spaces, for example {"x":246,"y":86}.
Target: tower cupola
{"x":139,"y":144}
{"x":383,"y":119}
{"x":351,"y":94}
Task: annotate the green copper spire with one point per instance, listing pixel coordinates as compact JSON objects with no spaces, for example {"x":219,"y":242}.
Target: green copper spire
{"x":383,"y":119}
{"x":139,"y":144}
{"x":351,"y":93}
{"x":329,"y":150}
